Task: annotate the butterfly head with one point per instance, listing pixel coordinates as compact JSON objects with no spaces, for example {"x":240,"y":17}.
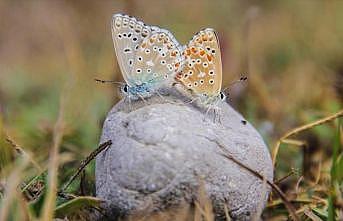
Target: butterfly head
{"x":206,"y":99}
{"x":124,"y":89}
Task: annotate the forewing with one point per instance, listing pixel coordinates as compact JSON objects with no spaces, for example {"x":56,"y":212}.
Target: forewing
{"x":202,"y":73}
{"x":127,"y":34}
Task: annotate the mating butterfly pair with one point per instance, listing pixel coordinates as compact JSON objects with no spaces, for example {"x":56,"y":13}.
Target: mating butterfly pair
{"x":150,"y":58}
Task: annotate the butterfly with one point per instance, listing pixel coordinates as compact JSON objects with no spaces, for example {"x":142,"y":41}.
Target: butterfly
{"x":202,"y":73}
{"x":149,"y":57}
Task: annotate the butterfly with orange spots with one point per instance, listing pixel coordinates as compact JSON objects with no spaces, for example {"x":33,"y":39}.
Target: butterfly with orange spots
{"x":202,"y":73}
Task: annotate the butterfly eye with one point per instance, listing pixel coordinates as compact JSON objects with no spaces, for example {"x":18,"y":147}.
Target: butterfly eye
{"x":190,"y":72}
{"x":147,"y":51}
{"x":211,"y":81}
{"x":201,"y":81}
{"x":148,"y":70}
{"x":211,"y":72}
{"x":138,"y":70}
{"x":134,"y":39}
{"x":198,"y":60}
{"x":222,"y":96}
{"x":213,"y":51}
{"x":125,"y":88}
{"x":163,"y":62}
{"x":140,"y":58}
{"x":155,"y":48}
{"x":119,"y":36}
{"x":205,"y":65}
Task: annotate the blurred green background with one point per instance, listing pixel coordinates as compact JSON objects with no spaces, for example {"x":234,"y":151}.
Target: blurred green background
{"x":292,"y":52}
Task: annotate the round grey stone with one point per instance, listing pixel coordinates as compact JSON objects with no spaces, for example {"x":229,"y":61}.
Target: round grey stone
{"x":164,"y":149}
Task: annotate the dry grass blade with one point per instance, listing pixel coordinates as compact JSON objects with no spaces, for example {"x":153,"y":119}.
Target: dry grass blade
{"x":288,"y":205}
{"x":49,"y":203}
{"x":226,"y":211}
{"x":285,"y":177}
{"x":311,"y":215}
{"x":21,"y":151}
{"x":85,"y":162}
{"x":303,"y":128}
{"x":203,"y":204}
{"x":11,"y":193}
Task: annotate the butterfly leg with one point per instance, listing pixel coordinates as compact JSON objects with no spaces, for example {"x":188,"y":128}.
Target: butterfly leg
{"x":130,"y":107}
{"x":214,"y":114}
{"x":207,"y":111}
{"x":218,"y":114}
{"x":145,"y":102}
{"x":164,"y":99}
{"x":191,"y":101}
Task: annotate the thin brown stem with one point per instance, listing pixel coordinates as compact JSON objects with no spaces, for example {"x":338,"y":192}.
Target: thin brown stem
{"x":301,"y":129}
{"x":283,"y":197}
{"x":85,"y":162}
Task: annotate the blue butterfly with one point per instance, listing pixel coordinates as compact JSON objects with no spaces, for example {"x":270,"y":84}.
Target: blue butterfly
{"x":149,"y":57}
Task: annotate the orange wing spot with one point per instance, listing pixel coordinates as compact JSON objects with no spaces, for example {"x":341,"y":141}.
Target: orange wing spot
{"x":204,"y":38}
{"x":209,"y":57}
{"x":193,"y":50}
{"x":210,"y":38}
{"x":177,"y":64}
{"x":202,"y":52}
{"x":151,"y":40}
{"x":188,"y":52}
{"x":143,"y":45}
{"x":173,"y":54}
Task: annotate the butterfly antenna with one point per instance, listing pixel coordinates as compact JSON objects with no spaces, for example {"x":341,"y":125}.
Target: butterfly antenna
{"x":105,"y":81}
{"x":240,"y":80}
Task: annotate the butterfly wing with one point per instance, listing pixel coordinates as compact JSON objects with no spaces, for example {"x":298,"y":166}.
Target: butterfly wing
{"x":127,"y":34}
{"x":202,"y":73}
{"x":158,"y":59}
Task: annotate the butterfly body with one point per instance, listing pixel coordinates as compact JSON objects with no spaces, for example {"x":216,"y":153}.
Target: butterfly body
{"x":149,"y":57}
{"x":143,"y":90}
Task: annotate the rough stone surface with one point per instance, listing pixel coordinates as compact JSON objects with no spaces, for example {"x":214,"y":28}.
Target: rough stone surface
{"x":164,"y":148}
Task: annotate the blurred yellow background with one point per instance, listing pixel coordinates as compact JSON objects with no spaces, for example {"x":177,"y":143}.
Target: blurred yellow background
{"x":292,"y":52}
